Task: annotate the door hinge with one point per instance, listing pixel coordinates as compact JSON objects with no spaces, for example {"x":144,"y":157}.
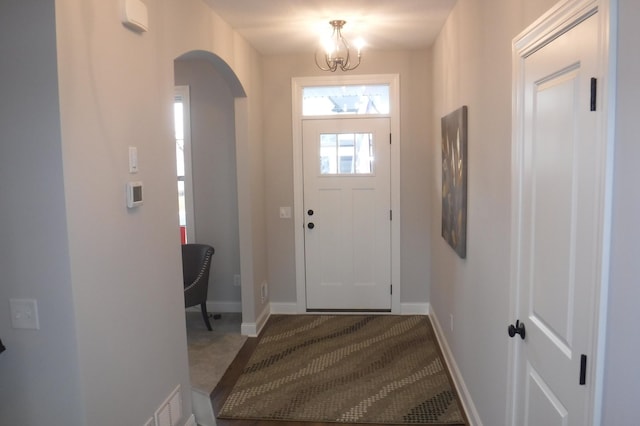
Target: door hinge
{"x":389,"y":138}
{"x":583,"y":369}
{"x":594,"y":91}
{"x":390,"y":214}
{"x":390,"y":288}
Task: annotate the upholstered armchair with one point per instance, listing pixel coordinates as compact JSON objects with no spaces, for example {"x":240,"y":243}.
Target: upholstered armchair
{"x":196,"y":263}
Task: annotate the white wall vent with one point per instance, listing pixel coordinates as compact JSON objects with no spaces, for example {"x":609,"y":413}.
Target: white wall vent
{"x":170,"y":411}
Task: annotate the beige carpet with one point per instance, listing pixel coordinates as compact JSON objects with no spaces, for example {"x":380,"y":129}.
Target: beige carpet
{"x":346,"y":368}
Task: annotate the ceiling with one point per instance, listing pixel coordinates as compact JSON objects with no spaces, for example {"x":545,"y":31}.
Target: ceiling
{"x":276,"y":27}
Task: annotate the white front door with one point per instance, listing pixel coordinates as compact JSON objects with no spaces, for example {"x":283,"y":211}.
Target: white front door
{"x":558,"y":205}
{"x":347,"y":212}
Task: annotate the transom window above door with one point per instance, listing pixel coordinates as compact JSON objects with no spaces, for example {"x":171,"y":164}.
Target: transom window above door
{"x":348,"y":99}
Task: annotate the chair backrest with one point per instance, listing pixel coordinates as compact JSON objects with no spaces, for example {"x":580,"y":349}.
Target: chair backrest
{"x":196,"y":262}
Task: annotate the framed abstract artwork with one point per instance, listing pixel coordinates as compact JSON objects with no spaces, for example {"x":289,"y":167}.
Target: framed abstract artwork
{"x":454,"y":180}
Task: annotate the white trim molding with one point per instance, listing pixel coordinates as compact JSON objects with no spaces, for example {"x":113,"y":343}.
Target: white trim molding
{"x":253,"y":329}
{"x":297,"y":84}
{"x":284,"y":308}
{"x":232,"y":307}
{"x":191,"y":421}
{"x":202,"y":409}
{"x":292,"y":309}
{"x":414,"y":308}
{"x":222,"y":307}
{"x":461,"y":388}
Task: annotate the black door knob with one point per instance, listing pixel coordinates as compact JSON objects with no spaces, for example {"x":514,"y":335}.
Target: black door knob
{"x":310,"y":225}
{"x":517,"y":329}
{"x":310,"y":212}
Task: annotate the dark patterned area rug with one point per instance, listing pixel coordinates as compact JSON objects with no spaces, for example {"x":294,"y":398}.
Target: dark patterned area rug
{"x":346,"y":368}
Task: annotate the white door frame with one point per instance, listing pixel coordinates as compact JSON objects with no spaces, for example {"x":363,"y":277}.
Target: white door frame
{"x":297,"y":84}
{"x":556,"y":21}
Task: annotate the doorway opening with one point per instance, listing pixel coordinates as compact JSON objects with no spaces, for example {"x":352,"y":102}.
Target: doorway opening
{"x":209,"y":101}
{"x":209,"y":177}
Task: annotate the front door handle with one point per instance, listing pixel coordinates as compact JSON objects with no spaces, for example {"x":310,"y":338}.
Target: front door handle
{"x":517,"y":329}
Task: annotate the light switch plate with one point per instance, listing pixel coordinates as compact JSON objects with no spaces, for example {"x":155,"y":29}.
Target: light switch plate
{"x":133,"y":159}
{"x":285,"y":212}
{"x":24,"y":313}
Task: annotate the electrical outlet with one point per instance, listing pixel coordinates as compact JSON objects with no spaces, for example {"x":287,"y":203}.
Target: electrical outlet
{"x":451,"y":322}
{"x":263,"y":291}
{"x":236,"y":280}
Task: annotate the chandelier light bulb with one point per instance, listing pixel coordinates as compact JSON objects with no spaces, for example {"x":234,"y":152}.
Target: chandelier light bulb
{"x":328,"y":46}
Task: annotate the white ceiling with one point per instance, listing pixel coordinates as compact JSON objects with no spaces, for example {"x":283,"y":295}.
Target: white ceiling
{"x":295,"y":26}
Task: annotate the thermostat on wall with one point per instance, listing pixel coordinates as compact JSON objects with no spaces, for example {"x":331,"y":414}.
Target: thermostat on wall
{"x":134,"y":194}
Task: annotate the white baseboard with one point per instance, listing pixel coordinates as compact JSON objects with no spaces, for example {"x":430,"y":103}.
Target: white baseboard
{"x":414,"y":308}
{"x":249,"y":329}
{"x":217,"y":307}
{"x":405,"y":309}
{"x":202,"y":409}
{"x":253,"y":329}
{"x":458,"y":381}
{"x":213,"y":306}
{"x":191,"y":421}
{"x":284,"y":308}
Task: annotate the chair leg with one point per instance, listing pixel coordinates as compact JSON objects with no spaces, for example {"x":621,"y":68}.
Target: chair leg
{"x":205,"y":316}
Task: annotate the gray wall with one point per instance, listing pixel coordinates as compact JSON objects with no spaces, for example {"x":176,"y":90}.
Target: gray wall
{"x":622,"y":374}
{"x":413,"y":68}
{"x":472,"y":66}
{"x":79,"y":90}
{"x":40,"y":381}
{"x":116,"y":91}
{"x":214,"y":173}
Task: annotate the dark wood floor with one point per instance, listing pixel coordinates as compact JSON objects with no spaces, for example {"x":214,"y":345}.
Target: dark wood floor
{"x":224,"y":387}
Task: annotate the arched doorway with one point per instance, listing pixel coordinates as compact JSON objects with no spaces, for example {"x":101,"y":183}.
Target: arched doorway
{"x":211,"y":169}
{"x":208,"y":91}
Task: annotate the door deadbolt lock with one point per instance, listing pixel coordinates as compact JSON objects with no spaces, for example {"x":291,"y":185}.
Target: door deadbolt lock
{"x":310,"y":225}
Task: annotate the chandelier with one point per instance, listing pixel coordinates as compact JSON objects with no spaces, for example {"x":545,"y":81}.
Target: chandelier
{"x":337,"y":52}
